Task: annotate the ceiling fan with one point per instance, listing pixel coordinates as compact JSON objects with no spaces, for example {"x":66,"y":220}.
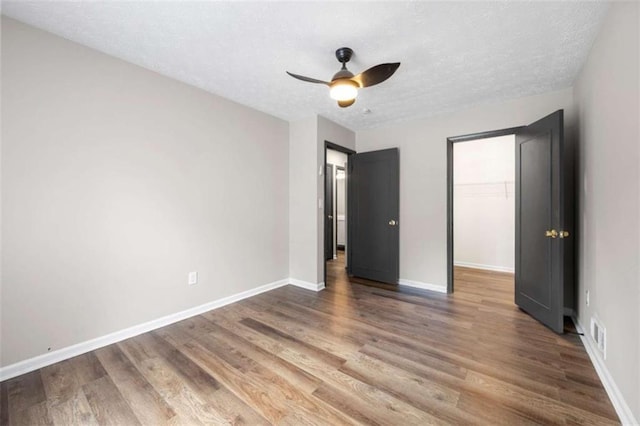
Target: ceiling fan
{"x":344,"y":85}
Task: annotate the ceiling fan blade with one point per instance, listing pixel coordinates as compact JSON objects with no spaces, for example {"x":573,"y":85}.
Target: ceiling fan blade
{"x":344,"y":104}
{"x":308,"y":79}
{"x":375,"y":75}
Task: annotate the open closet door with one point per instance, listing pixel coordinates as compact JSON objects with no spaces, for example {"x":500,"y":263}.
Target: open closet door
{"x":373,"y":211}
{"x":540,"y":221}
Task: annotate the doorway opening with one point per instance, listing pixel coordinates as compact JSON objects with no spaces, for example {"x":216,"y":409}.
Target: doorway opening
{"x":483,"y":183}
{"x":335,"y":212}
{"x":484,"y":214}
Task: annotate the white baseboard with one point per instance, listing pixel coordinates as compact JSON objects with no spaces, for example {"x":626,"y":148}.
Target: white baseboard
{"x":620,"y":405}
{"x":306,"y":284}
{"x":49,"y":358}
{"x":423,"y":286}
{"x":485,"y":267}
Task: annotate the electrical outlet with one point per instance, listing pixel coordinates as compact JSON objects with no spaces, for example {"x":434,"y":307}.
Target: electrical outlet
{"x":193,"y":278}
{"x":587,"y":301}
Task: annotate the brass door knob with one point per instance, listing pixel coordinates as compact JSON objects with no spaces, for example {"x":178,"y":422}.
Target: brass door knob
{"x":393,"y":222}
{"x":564,"y":234}
{"x":551,"y":234}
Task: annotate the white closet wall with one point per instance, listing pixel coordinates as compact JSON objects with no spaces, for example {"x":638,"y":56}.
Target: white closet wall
{"x":484,"y":205}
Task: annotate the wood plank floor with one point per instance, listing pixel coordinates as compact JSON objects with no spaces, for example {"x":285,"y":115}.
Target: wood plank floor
{"x":351,"y":354}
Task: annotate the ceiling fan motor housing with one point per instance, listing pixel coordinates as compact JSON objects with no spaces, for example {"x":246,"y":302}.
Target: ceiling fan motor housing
{"x":344,"y":54}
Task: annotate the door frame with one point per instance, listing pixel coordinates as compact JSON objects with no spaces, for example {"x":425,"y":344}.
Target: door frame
{"x":335,"y":175}
{"x":349,"y":152}
{"x":329,"y":207}
{"x":450,"y":141}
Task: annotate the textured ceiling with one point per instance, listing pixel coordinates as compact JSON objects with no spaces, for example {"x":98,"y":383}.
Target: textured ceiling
{"x":453,"y":54}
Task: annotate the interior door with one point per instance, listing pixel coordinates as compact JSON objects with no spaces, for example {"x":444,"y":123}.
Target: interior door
{"x":328,"y":212}
{"x":539,"y":269}
{"x":373,"y":212}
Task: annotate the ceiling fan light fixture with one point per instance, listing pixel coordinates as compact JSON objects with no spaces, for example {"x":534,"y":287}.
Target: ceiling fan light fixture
{"x":343,"y":90}
{"x":344,"y":85}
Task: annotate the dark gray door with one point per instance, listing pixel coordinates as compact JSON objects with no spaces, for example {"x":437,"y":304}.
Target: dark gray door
{"x":328,"y":212}
{"x":373,"y":212}
{"x":539,"y":287}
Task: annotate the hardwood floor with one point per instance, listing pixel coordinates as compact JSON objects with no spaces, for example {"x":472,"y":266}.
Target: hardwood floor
{"x":350,"y":354}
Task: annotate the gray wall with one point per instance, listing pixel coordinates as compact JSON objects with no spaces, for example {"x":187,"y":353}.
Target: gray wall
{"x":607,"y":93}
{"x":303,"y":205}
{"x":423,"y":172}
{"x":306,"y":176}
{"x":116,"y":182}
